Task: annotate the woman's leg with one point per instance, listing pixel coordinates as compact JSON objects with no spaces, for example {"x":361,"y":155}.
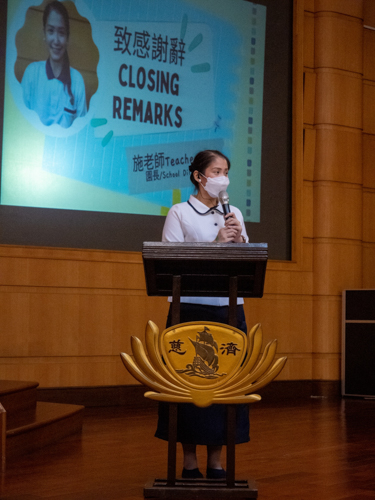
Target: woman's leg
{"x":190,"y":470}
{"x":214,"y":468}
{"x":190,"y":456}
{"x":214,"y":457}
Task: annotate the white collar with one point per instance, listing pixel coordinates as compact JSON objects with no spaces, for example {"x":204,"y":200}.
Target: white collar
{"x":201,"y":208}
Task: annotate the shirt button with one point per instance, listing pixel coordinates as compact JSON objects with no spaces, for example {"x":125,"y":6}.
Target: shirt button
{"x":213,"y":213}
{"x":215,"y":223}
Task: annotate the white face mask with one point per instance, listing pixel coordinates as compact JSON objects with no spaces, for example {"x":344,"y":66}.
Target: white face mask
{"x":215,"y":185}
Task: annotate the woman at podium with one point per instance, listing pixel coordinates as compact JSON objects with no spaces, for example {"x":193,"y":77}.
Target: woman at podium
{"x":202,"y":219}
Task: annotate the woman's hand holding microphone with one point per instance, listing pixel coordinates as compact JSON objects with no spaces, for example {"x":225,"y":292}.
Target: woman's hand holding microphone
{"x":232,"y":230}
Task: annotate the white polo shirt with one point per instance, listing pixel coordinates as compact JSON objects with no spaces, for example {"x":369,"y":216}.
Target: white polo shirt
{"x":192,"y":221}
{"x":49,"y":97}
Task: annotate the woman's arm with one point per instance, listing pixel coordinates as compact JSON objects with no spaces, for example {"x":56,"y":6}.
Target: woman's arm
{"x":172,"y":230}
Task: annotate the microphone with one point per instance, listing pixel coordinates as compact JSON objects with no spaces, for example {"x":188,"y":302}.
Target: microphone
{"x":224,"y":200}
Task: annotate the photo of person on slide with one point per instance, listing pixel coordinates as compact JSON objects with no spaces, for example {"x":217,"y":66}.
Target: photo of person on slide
{"x":52,"y":88}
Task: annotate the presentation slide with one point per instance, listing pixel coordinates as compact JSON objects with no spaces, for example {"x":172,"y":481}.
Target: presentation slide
{"x":107,"y":102}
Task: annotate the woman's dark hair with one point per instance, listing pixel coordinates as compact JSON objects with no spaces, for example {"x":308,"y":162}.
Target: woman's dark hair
{"x":59,"y":7}
{"x":202,"y":160}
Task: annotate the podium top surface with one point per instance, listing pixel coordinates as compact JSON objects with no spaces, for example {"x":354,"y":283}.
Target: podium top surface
{"x":198,"y":251}
{"x":205,"y":268}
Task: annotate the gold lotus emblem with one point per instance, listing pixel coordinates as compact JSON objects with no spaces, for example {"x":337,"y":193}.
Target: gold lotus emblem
{"x":203,"y":363}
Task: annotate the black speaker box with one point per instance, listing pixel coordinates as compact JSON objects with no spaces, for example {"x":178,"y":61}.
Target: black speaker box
{"x":358,"y":343}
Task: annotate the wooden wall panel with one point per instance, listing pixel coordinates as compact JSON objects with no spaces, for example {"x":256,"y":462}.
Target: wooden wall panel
{"x":285,"y":318}
{"x":42,"y":349}
{"x":308,"y":209}
{"x":327,"y":314}
{"x":307,"y":256}
{"x":342,"y":207}
{"x":61,"y":307}
{"x":309,"y":142}
{"x":368,"y":272}
{"x":369,"y":108}
{"x":287,"y":282}
{"x":337,"y":265}
{"x":369,"y":13}
{"x":308,"y":46}
{"x":368,"y":161}
{"x":298,"y":367}
{"x":50,"y":318}
{"x":14,"y":327}
{"x":72,"y":324}
{"x":131,"y":317}
{"x":67,"y":372}
{"x":308,"y":6}
{"x":338,"y":98}
{"x":352,"y":8}
{"x":338,"y":210}
{"x":83,"y":269}
{"x":309,"y":84}
{"x":369,"y":216}
{"x":326,"y":366}
{"x":337,"y":150}
{"x":369,"y":54}
{"x":339,"y":41}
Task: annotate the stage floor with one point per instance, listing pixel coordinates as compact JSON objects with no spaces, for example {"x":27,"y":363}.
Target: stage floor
{"x":317,"y":449}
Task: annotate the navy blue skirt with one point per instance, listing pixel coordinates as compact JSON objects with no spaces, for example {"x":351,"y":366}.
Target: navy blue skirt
{"x":205,"y":426}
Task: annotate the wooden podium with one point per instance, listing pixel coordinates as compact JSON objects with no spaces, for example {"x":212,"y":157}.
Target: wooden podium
{"x":207,"y":270}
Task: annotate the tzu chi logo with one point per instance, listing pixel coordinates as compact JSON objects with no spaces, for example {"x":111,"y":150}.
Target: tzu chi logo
{"x":184,"y":363}
{"x":204,"y":360}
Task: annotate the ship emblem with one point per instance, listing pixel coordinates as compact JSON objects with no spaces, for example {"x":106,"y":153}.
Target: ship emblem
{"x":206,"y":361}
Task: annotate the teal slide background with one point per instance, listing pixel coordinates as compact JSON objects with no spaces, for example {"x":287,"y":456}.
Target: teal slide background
{"x":111,"y":165}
